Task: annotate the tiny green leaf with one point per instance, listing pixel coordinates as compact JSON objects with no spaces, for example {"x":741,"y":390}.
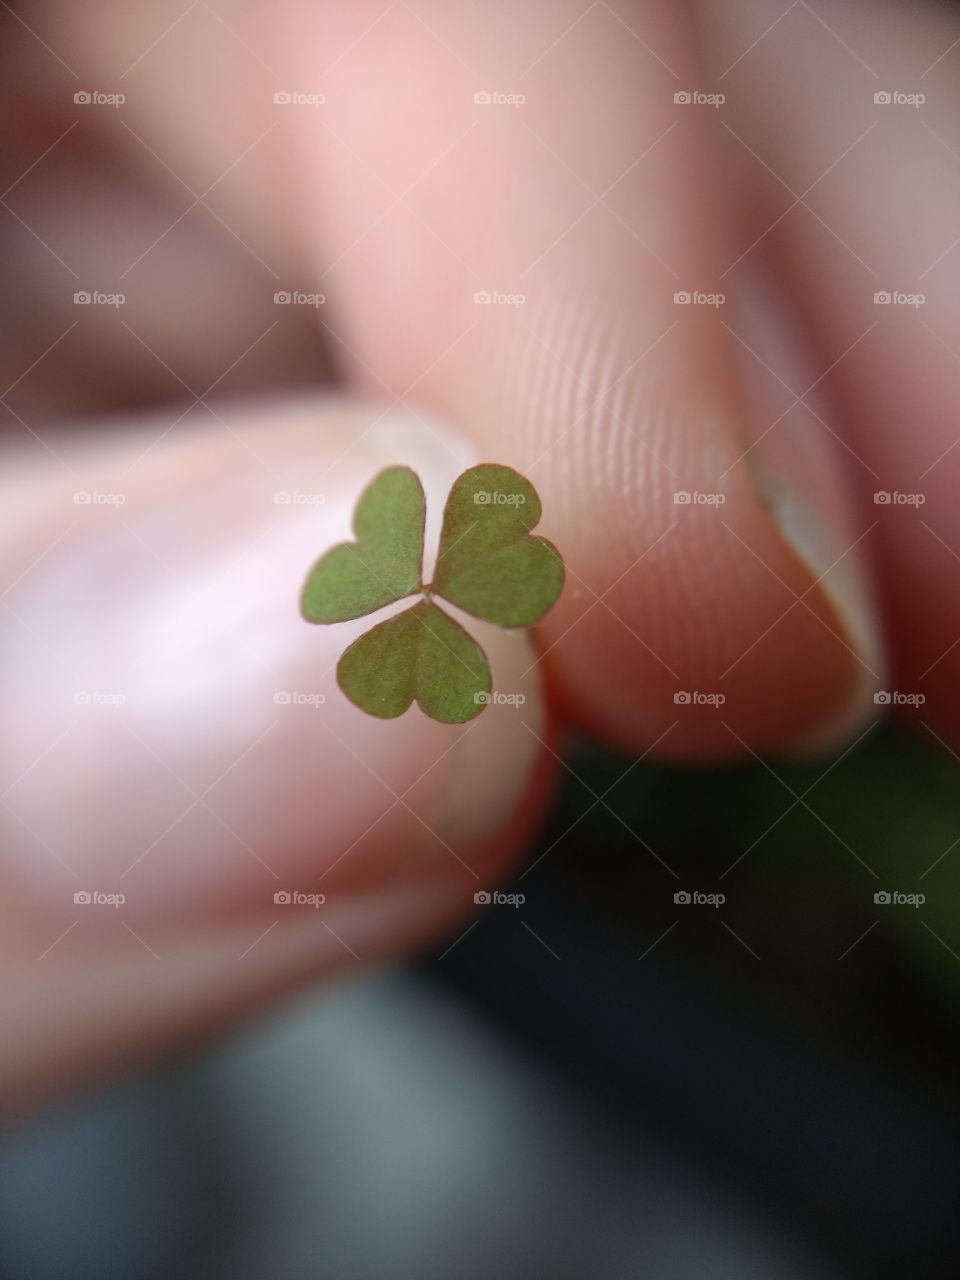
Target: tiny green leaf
{"x":489,"y":564}
{"x":420,"y":653}
{"x":384,"y":564}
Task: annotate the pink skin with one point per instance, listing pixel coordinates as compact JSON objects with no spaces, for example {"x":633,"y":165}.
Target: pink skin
{"x":399,"y":199}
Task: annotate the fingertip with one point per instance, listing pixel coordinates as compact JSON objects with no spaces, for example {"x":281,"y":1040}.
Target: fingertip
{"x":163,"y":687}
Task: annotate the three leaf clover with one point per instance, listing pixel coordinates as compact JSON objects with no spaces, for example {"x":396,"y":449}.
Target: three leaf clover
{"x":488,"y":564}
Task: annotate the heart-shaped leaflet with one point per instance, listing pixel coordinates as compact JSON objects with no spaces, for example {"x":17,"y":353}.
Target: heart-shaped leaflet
{"x":384,"y":563}
{"x":420,"y":653}
{"x":489,"y":563}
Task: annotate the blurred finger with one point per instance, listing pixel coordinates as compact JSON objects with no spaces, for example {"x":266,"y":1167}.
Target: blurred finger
{"x":857,"y":112}
{"x":177,"y":763}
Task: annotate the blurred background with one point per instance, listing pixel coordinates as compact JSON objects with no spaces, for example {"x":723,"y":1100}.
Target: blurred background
{"x":709,"y":1028}
{"x":595,"y":1081}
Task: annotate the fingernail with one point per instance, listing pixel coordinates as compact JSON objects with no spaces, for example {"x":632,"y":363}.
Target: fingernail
{"x":799,"y":470}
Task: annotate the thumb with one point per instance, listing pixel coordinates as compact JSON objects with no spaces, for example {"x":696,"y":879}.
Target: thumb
{"x":175,"y":752}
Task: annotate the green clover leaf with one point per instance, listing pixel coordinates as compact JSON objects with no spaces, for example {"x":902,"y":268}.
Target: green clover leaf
{"x":488,"y":564}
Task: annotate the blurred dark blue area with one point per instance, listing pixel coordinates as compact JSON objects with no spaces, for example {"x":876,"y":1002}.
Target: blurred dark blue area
{"x":599,"y":1080}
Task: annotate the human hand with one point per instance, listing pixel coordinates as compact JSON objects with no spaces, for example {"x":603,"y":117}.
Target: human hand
{"x":401,"y":198}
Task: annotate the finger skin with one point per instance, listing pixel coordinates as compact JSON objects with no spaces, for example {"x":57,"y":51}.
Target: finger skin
{"x":594,"y":385}
{"x":89,"y":1006}
{"x":180,"y":774}
{"x":607,"y":394}
{"x":614,"y":399}
{"x":160,"y":682}
{"x":881,"y":218}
